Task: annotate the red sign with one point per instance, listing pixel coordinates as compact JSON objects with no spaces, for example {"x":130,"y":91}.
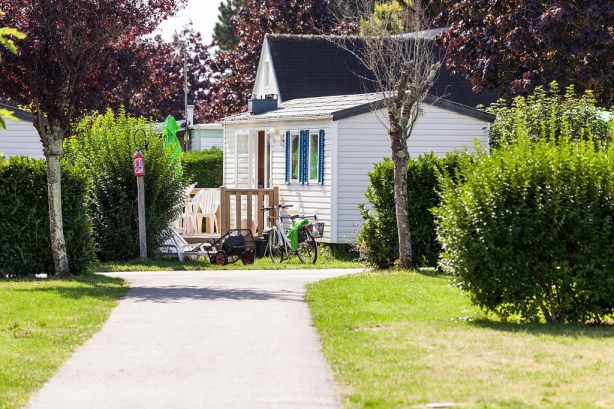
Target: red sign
{"x":139,"y":165}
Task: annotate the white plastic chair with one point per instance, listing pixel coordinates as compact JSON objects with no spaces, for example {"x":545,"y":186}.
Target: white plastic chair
{"x":176,"y":244}
{"x":207,"y":208}
{"x":191,"y":227}
{"x":180,"y":224}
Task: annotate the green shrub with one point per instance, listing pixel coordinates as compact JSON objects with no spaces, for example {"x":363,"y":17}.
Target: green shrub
{"x":549,"y":116}
{"x":378,"y":234}
{"x":104,"y":146}
{"x":25,"y":245}
{"x":203,"y":167}
{"x":530,"y":229}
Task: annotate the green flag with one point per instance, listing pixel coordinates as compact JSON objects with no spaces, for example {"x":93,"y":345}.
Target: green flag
{"x":170,"y":129}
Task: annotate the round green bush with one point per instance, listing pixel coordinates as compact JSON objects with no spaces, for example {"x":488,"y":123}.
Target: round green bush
{"x":550,"y":116}
{"x":104,"y":146}
{"x":378,"y":234}
{"x":529,"y":230}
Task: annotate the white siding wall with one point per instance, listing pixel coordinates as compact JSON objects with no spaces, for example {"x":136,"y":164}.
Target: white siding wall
{"x":308,"y":199}
{"x":206,"y":136}
{"x":210,"y":142}
{"x":20,"y":138}
{"x":363,"y":141}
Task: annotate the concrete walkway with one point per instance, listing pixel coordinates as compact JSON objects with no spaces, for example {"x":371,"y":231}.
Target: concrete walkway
{"x":212,"y":339}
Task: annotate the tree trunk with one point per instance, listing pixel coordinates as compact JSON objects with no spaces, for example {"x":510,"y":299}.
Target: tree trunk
{"x":400,"y":158}
{"x":53,"y":155}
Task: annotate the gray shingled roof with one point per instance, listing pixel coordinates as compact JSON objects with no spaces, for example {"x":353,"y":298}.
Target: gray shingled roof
{"x":20,"y":114}
{"x":312,"y":66}
{"x":343,"y":106}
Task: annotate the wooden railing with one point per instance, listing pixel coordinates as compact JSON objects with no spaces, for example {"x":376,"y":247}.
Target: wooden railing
{"x":245,"y":216}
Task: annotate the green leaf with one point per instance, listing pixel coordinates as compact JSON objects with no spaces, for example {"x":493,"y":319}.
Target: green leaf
{"x":7,"y":42}
{"x":6,"y":114}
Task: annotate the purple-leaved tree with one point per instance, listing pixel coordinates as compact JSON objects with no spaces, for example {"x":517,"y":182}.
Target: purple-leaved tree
{"x":66,"y":65}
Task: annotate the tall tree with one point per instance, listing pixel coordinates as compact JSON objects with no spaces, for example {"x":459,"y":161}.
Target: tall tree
{"x":517,"y":45}
{"x":64,"y":67}
{"x":403,"y":68}
{"x":357,"y":9}
{"x":233,"y":74}
{"x":223,"y":32}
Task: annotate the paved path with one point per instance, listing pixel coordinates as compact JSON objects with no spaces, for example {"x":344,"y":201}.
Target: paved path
{"x":212,"y":339}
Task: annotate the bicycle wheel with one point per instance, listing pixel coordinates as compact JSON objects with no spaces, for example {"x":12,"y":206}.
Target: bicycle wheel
{"x":275,"y":247}
{"x":307,"y":250}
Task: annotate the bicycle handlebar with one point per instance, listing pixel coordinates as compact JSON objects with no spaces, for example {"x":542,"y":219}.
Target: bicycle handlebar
{"x":264,"y":209}
{"x":291,"y":217}
{"x":303,"y":216}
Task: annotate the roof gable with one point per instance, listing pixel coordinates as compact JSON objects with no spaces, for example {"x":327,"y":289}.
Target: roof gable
{"x":313,"y":66}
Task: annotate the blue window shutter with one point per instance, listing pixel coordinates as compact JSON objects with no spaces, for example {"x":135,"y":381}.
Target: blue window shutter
{"x":301,"y":162}
{"x":321,"y":157}
{"x":300,"y":157}
{"x":305,"y":156}
{"x":288,"y":157}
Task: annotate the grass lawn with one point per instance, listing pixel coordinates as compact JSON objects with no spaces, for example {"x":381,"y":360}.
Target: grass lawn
{"x":328,"y":257}
{"x":42,"y":322}
{"x":407,"y":339}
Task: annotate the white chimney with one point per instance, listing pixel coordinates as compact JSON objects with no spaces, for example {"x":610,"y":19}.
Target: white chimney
{"x":190,"y":114}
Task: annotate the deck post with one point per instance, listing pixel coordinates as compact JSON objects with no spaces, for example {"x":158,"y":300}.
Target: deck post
{"x":224,"y":211}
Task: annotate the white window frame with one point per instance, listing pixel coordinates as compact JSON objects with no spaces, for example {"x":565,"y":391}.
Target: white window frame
{"x":312,"y":134}
{"x":266,"y":80}
{"x":238,"y":135}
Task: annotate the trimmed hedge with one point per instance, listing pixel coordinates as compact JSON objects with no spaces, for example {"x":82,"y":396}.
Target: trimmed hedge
{"x":529,"y":229}
{"x":203,"y":167}
{"x":378,"y":234}
{"x":25,"y":245}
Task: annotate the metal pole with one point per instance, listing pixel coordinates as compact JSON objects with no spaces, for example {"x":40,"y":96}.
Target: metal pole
{"x":185,"y":91}
{"x":140,"y":186}
{"x":185,"y":80}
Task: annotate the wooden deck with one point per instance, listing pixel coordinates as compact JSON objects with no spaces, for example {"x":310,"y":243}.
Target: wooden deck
{"x":239,"y":209}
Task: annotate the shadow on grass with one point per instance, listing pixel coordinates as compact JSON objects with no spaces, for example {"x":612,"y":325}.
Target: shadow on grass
{"x":93,"y":285}
{"x":86,"y":278}
{"x":432,"y":272}
{"x":554,"y":330}
{"x":190,"y":265}
{"x":157,"y":264}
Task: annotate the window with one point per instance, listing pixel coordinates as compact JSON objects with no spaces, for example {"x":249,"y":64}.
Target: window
{"x":305,"y":156}
{"x":266,"y":74}
{"x":294,"y":151}
{"x":242,"y":152}
{"x":313,"y":156}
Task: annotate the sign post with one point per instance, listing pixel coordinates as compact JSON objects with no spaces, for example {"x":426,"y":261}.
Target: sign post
{"x":139,"y":172}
